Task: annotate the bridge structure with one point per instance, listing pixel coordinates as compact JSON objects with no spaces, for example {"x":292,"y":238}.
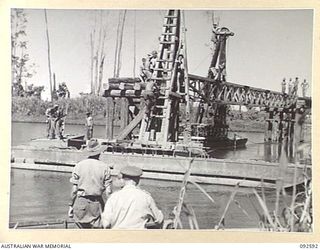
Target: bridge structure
{"x":166,"y":107}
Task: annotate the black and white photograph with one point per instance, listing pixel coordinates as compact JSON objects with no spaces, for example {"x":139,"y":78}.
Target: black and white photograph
{"x":161,"y":119}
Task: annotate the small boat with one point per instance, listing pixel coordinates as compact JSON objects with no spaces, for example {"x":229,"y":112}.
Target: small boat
{"x":212,"y":137}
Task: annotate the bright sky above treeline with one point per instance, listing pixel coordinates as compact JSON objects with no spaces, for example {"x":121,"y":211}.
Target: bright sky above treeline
{"x":268,"y":45}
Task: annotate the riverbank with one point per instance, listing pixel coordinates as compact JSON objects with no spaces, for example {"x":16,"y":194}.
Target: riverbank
{"x":42,"y":119}
{"x":234,"y":125}
{"x":32,"y":110}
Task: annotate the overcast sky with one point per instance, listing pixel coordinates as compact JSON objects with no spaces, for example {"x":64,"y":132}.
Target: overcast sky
{"x":267,"y":46}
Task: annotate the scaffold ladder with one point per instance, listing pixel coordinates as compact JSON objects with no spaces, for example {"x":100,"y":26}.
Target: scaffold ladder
{"x":162,"y":119}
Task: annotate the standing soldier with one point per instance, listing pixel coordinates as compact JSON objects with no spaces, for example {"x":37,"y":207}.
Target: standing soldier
{"x":130,"y":207}
{"x":284,"y":86}
{"x":222,"y":72}
{"x":60,"y":122}
{"x":304,"y":86}
{"x":90,"y":178}
{"x":150,"y":95}
{"x":89,"y":125}
{"x":214,"y":37}
{"x":51,"y":114}
{"x":145,"y":73}
{"x":295,"y":86}
{"x":180,"y":73}
{"x":290,"y":86}
{"x":152,"y":60}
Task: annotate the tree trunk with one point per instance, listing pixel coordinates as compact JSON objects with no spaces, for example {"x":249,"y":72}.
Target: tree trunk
{"x":134,"y":45}
{"x":115,"y":68}
{"x":49,"y":61}
{"x":120,"y":43}
{"x":100,"y":75}
{"x":91,"y":66}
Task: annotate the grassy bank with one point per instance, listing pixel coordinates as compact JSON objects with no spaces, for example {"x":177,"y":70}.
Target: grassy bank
{"x":33,"y":110}
{"x":246,"y":126}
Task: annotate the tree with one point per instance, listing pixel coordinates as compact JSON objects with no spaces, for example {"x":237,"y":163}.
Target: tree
{"x":21,"y":68}
{"x":98,"y":37}
{"x":48,"y":50}
{"x":120,"y":29}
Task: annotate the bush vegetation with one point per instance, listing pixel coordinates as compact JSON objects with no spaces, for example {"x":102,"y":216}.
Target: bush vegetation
{"x":33,"y":109}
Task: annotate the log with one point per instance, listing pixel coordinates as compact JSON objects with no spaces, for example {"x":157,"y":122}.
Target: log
{"x":124,"y":79}
{"x":121,"y":86}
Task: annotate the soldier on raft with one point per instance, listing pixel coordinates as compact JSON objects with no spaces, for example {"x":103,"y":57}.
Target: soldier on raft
{"x":51,"y":114}
{"x":89,"y":125}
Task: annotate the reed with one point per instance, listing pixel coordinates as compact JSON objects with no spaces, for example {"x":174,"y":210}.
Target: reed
{"x":178,"y":208}
{"x":221,"y":221}
{"x":296,"y":216}
{"x":290,"y":214}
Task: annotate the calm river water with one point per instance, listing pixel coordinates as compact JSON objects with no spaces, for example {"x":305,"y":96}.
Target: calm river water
{"x":38,"y":195}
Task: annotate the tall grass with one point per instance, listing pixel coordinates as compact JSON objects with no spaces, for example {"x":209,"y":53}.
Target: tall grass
{"x":76,"y":107}
{"x":295,"y":214}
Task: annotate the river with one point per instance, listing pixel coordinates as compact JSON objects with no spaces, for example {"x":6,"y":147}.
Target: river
{"x":39,"y":195}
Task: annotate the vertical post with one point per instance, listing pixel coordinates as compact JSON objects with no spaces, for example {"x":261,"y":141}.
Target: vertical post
{"x":292,"y":125}
{"x":275,"y":129}
{"x":268,"y":132}
{"x":293,"y":134}
{"x":298,"y":126}
{"x":281,"y":126}
{"x":270,"y":125}
{"x":124,"y":112}
{"x":187,"y":134}
{"x":195,"y":111}
{"x":109,"y":118}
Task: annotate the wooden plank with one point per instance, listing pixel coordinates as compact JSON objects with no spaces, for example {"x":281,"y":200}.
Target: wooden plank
{"x":129,"y":128}
{"x":216,"y":180}
{"x":124,"y":113}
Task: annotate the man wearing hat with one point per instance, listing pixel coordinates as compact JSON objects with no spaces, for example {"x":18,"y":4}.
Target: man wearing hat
{"x":90,"y":178}
{"x":130,"y":207}
{"x":152,"y":60}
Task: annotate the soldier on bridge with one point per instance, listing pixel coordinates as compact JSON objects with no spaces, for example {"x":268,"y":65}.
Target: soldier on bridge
{"x":290,"y":87}
{"x":304,"y":86}
{"x":295,"y":86}
{"x":284,"y":86}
